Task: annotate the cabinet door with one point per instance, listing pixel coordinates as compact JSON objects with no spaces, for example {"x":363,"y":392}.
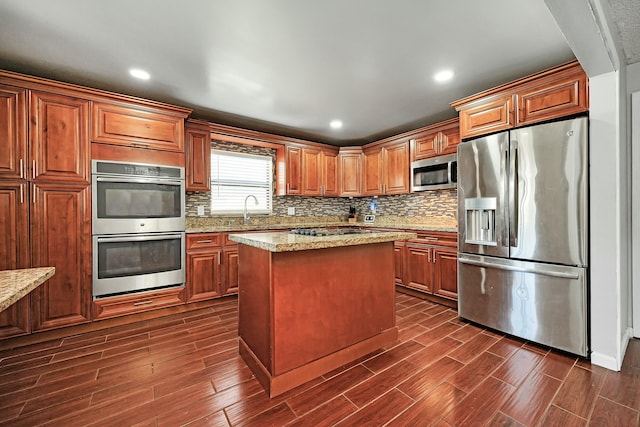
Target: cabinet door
{"x":396,"y":164}
{"x":61,"y":238}
{"x":372,"y":172}
{"x":230,"y":268}
{"x":329,"y":174}
{"x":493,"y":115}
{"x":449,"y":140}
{"x":445,"y":277}
{"x":198,"y":152}
{"x":59,"y":138}
{"x":562,"y":97}
{"x":398,"y":252}
{"x":311,"y":172}
{"x":350,"y":174}
{"x":14,"y":251}
{"x":426,"y":146}
{"x":294,"y":170}
{"x":13,"y":132}
{"x":203,"y":275}
{"x":418,"y":273}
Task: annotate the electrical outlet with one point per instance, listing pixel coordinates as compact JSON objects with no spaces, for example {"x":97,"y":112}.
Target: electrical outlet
{"x":200,"y":210}
{"x":291,"y":211}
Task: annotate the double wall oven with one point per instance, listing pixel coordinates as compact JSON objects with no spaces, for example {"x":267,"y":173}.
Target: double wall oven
{"x":138,"y":224}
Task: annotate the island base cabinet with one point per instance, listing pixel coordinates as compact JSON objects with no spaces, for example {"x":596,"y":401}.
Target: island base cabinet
{"x":299,"y":319}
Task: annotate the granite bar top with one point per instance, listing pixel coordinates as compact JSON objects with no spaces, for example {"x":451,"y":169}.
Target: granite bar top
{"x":15,"y":284}
{"x":216,"y":225}
{"x":282,"y":241}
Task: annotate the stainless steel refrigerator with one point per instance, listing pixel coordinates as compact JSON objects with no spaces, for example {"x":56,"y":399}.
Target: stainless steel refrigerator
{"x":523,"y":233}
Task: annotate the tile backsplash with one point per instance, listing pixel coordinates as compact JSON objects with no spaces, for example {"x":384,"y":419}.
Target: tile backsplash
{"x":436,"y":203}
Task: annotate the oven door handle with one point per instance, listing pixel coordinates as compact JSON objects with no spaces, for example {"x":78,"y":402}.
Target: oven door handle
{"x":140,"y":180}
{"x":138,"y":237}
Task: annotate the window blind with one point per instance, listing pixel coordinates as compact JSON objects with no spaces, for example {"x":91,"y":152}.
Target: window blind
{"x":234,"y":176}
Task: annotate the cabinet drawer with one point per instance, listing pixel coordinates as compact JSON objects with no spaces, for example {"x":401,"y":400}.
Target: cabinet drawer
{"x":114,"y":124}
{"x":120,"y":306}
{"x":227,"y":242}
{"x":203,"y":240}
{"x":436,"y":238}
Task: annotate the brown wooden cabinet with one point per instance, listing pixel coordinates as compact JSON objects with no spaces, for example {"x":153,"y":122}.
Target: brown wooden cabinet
{"x":550,"y":94}
{"x":61,"y":237}
{"x":139,"y":126}
{"x":293,"y":158}
{"x":386,"y":169}
{"x":212,"y":266}
{"x":312,"y":171}
{"x":429,"y":264}
{"x":59,"y":138}
{"x":439,"y":139}
{"x":198,"y":157}
{"x":350,"y":171}
{"x":14,"y":251}
{"x":106,"y":308}
{"x":13,"y":132}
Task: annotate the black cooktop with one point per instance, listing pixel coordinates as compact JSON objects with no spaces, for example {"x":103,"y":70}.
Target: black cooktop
{"x":327,"y":231}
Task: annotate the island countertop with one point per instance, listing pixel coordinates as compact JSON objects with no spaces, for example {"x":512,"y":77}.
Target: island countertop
{"x":287,"y":242}
{"x":15,"y":284}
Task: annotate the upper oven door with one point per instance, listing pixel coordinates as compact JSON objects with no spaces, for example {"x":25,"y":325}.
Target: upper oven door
{"x":137,"y":205}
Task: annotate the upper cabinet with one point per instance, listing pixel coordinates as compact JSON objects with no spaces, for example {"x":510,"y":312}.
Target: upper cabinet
{"x":386,"y":169}
{"x":311,"y":171}
{"x":198,"y":156}
{"x":13,"y":132}
{"x":350,"y":171}
{"x":59,"y":138}
{"x":136,"y":126}
{"x":554,"y":93}
{"x":436,"y":140}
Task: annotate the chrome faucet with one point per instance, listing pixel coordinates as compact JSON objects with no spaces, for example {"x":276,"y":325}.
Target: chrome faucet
{"x":246,"y":212}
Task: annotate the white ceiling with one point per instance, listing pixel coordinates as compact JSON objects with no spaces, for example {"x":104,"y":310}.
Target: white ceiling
{"x":288,"y":66}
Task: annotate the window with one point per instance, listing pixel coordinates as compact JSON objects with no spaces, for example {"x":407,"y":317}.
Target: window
{"x":234,"y":176}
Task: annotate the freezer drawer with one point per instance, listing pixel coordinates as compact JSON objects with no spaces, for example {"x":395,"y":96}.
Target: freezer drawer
{"x":543,"y":303}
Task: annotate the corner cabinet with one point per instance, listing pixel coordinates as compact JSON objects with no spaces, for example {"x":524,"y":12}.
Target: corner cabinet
{"x":350,"y":171}
{"x":550,"y":94}
{"x":386,"y":169}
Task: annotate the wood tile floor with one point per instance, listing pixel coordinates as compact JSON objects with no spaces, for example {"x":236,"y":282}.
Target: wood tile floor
{"x":185,"y":370}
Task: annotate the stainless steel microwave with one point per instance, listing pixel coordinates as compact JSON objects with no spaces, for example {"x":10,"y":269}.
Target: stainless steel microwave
{"x":434,"y":173}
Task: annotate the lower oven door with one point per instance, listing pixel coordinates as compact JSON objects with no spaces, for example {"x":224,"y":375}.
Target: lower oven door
{"x":135,"y":262}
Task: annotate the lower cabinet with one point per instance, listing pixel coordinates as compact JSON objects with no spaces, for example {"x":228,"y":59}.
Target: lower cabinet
{"x":212,"y":266}
{"x":106,"y":308}
{"x":429,"y":264}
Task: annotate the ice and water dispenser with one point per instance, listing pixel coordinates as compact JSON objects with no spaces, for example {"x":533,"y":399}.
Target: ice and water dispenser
{"x":480,"y":221}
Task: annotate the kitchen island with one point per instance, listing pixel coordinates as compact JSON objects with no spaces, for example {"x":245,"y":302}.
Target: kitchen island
{"x":310,"y":304}
{"x":15,"y":284}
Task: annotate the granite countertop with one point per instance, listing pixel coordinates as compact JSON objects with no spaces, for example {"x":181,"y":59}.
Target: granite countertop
{"x":211,"y":225}
{"x":282,"y":241}
{"x":15,"y":284}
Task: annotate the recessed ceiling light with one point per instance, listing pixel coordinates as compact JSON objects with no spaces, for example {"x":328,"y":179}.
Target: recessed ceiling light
{"x":335,"y":124}
{"x":139,"y":74}
{"x":443,"y":76}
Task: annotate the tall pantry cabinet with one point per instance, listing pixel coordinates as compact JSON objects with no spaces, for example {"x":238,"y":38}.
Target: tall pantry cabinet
{"x":45,"y":213}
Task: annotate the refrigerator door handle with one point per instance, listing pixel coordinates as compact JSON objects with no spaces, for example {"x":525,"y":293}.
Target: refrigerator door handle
{"x":504,"y":229}
{"x":513,"y":194}
{"x":541,"y":271}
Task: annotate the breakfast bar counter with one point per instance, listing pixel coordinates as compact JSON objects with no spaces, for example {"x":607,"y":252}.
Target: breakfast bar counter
{"x":310,"y":304}
{"x":15,"y":284}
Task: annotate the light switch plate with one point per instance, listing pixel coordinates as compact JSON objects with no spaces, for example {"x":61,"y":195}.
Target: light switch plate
{"x":291,"y":211}
{"x":200,"y":210}
{"x":369,"y":219}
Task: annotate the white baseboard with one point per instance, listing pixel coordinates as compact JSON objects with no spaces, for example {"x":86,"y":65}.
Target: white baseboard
{"x":609,"y":362}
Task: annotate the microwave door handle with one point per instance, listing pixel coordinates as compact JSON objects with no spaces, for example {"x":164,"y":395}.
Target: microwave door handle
{"x":138,"y":238}
{"x":449,"y":172}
